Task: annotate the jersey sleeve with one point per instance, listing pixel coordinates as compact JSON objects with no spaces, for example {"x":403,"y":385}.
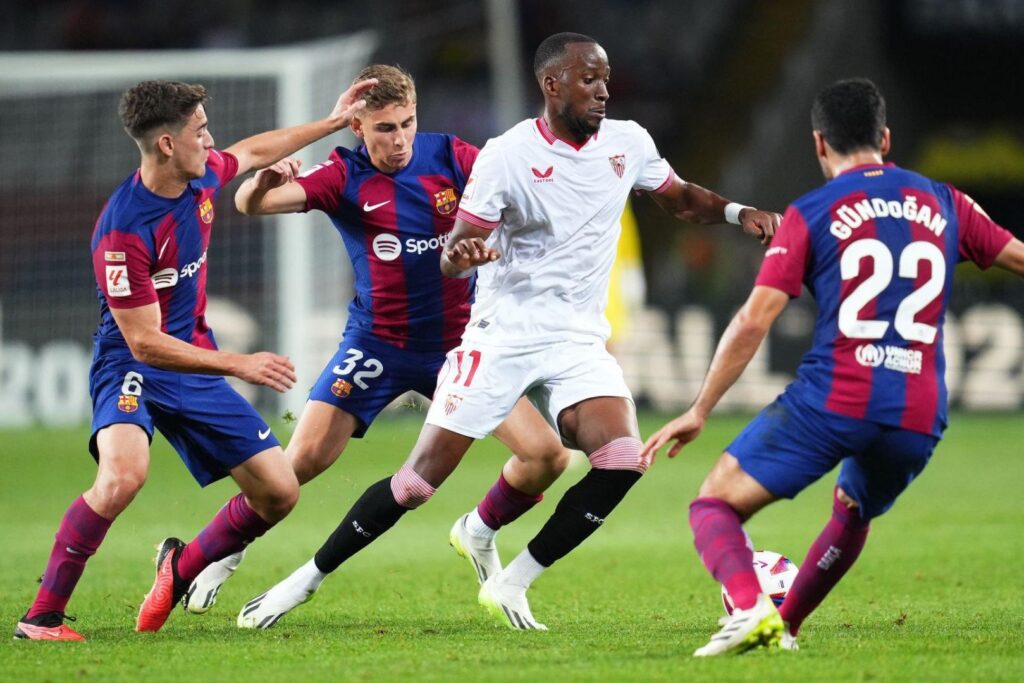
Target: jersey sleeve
{"x":486,"y":194}
{"x":121,"y":263}
{"x":785,"y":262}
{"x":656,"y":175}
{"x":981,"y":238}
{"x":324,"y":184}
{"x":465,"y":155}
{"x":224,"y":166}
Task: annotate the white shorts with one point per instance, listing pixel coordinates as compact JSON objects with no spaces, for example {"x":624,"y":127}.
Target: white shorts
{"x":480,"y":384}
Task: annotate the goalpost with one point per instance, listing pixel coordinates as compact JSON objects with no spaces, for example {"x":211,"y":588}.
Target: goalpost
{"x":279,"y":283}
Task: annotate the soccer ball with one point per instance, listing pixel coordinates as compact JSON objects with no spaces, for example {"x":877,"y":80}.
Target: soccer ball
{"x":776,"y":574}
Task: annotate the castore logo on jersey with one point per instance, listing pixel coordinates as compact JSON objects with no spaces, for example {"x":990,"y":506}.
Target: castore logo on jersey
{"x":543,"y":176}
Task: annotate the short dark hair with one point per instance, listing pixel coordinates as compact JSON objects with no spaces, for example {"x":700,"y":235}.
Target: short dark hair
{"x":154,"y":104}
{"x":553,"y":47}
{"x":850,"y":115}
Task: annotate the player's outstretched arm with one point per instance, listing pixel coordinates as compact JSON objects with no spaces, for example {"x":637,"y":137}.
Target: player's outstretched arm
{"x":260,"y":151}
{"x":466,"y":249}
{"x":738,"y":345}
{"x":695,"y":204}
{"x":1011,"y":258}
{"x":140,"y":327}
{"x":272,"y":191}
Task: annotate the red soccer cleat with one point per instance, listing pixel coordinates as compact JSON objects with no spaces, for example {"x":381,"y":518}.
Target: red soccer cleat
{"x":48,"y":626}
{"x":167,"y":588}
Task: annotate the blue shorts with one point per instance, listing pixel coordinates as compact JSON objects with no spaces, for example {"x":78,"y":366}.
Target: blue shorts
{"x":366,"y":374}
{"x":790,"y":445}
{"x":207,"y":422}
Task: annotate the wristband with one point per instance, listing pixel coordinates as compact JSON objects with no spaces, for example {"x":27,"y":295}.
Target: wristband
{"x":732,"y":212}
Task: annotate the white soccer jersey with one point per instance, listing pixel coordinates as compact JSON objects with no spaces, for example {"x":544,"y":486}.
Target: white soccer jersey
{"x":555,"y":209}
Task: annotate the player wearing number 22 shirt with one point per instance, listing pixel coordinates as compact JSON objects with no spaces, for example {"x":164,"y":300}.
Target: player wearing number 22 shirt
{"x":876,"y":246}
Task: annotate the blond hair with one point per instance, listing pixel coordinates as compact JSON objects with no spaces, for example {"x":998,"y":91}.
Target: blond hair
{"x":394,"y":86}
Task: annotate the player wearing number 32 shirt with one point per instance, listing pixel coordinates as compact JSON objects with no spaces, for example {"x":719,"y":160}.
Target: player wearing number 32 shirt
{"x":876,"y":246}
{"x":393,"y":200}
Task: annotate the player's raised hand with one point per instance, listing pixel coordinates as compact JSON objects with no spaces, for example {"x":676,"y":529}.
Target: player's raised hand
{"x":277,"y":174}
{"x":683,"y":429}
{"x":471,"y":252}
{"x":350,"y":103}
{"x":266,"y":369}
{"x":760,"y":224}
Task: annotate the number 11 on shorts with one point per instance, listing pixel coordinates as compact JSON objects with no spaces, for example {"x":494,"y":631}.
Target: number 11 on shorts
{"x":460,"y":357}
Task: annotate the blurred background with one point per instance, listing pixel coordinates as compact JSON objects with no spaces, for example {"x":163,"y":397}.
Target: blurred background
{"x":724,"y":87}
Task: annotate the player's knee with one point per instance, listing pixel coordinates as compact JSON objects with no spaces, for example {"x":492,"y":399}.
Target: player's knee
{"x":275,"y":502}
{"x":621,"y":454}
{"x":558,"y":460}
{"x":552,"y":458}
{"x":116,"y":488}
{"x":845,"y":499}
{"x":410,"y":489}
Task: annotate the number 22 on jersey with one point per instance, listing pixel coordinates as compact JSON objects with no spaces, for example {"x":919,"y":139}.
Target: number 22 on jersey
{"x":910,"y":260}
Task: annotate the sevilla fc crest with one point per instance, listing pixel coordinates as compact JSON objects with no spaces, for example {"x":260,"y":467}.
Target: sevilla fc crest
{"x":445,"y":201}
{"x":618,"y":163}
{"x":127,"y":404}
{"x":452,"y":403}
{"x":206,"y":211}
{"x":341,"y":388}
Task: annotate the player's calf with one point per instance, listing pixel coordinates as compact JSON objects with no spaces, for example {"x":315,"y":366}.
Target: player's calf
{"x":377,"y":510}
{"x":616,"y":467}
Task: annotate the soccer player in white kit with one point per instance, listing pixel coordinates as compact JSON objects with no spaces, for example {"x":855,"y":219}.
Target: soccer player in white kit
{"x":541,"y":213}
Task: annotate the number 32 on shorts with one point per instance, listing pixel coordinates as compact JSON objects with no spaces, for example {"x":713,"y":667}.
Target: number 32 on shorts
{"x":370,"y":368}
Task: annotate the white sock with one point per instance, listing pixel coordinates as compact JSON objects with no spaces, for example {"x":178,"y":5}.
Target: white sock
{"x":476,"y":526}
{"x":309,"y":576}
{"x":522,"y":571}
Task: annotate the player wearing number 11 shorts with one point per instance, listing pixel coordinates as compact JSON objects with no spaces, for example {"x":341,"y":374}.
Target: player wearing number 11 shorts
{"x":393,"y":199}
{"x":876,"y":246}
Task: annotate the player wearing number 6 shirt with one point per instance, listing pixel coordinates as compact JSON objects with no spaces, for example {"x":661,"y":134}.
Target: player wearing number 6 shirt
{"x":876,"y":246}
{"x":393,"y":199}
{"x":156,"y":365}
{"x":550,"y":191}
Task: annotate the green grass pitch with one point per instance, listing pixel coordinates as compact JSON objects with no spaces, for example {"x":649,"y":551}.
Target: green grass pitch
{"x":936,"y":595}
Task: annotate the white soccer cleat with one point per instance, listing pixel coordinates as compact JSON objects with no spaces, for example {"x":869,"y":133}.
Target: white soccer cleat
{"x":507,"y":603}
{"x":266,"y":609}
{"x":788,"y":641}
{"x":746,"y":629}
{"x":202,"y":594}
{"x":482,"y":553}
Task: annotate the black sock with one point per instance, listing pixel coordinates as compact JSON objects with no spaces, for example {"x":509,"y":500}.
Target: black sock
{"x":374,"y":513}
{"x":581,"y":511}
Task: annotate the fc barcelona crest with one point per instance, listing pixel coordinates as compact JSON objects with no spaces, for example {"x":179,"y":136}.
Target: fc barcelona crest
{"x":206,"y":211}
{"x":341,"y":388}
{"x":445,"y":201}
{"x":127,"y":403}
{"x":618,"y":163}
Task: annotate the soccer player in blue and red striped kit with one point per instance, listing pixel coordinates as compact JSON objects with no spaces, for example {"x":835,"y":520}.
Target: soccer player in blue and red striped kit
{"x":156,"y":364}
{"x":393,"y":200}
{"x":876,"y":246}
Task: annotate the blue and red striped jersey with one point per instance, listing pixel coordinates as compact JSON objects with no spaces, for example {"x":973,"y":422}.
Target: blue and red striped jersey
{"x":395,"y":226}
{"x":148,"y":249}
{"x":876,"y":247}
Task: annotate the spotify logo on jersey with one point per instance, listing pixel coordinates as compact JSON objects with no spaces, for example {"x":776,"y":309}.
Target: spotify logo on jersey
{"x":387,"y":247}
